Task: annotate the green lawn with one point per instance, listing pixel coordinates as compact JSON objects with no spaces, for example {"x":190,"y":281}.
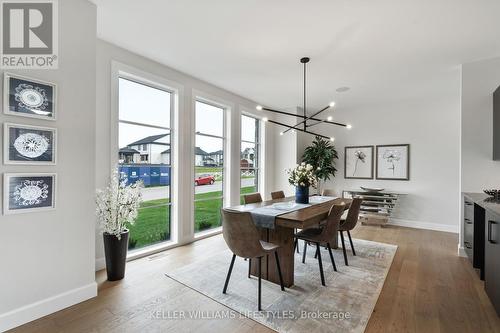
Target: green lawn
{"x":152,"y":224}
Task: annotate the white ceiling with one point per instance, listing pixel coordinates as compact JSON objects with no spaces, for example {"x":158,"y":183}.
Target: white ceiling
{"x":386,"y":50}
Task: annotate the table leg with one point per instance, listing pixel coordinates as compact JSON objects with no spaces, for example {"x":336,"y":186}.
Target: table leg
{"x":284,"y":238}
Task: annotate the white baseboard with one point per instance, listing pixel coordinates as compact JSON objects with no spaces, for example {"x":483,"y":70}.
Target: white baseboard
{"x":424,"y":225}
{"x":46,"y":306}
{"x":461,"y":251}
{"x":100,"y":263}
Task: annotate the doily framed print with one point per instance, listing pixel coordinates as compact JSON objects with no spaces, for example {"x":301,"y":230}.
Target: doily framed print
{"x":28,"y":97}
{"x":25,"y":144}
{"x":28,"y":192}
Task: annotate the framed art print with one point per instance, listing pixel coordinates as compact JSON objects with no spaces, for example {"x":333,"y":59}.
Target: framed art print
{"x":393,"y":162}
{"x":358,"y":162}
{"x":29,"y":97}
{"x":28,"y":192}
{"x":25,"y":144}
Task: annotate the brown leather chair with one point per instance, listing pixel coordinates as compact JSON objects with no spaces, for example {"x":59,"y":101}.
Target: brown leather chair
{"x":348,"y":224}
{"x":243,"y":239}
{"x":277,"y":195}
{"x":252,"y":198}
{"x":322,"y":235}
{"x":328,"y":192}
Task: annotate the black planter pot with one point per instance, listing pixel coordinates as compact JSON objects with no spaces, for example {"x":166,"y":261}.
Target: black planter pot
{"x":115,"y":251}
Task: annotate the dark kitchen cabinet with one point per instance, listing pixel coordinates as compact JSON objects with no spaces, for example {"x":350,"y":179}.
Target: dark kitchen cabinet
{"x":492,"y":259}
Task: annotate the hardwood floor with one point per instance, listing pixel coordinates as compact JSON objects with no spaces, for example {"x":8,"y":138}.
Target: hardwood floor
{"x":428,"y":289}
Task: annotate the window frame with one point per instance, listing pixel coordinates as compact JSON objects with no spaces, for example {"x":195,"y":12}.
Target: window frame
{"x":258,"y":147}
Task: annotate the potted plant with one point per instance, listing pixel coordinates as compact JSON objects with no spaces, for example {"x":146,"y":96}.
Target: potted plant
{"x":302,"y":176}
{"x":117,"y":206}
{"x":321,"y":154}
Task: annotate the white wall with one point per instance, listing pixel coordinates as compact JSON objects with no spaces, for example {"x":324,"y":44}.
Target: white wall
{"x":47,"y":258}
{"x":478,"y":169}
{"x":106,"y":53}
{"x":432,"y":128}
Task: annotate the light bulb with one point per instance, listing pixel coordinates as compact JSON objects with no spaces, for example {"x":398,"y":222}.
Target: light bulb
{"x":264,"y":119}
{"x":281,"y":133}
{"x":332,"y":139}
{"x":329,"y":118}
{"x":348,"y":126}
{"x":259,"y":107}
{"x":332,"y":104}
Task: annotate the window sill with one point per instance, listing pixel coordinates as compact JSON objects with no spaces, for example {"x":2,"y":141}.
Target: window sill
{"x":149,"y":250}
{"x":207,"y":233}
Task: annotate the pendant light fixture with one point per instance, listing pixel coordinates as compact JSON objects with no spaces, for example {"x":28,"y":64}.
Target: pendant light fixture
{"x":304,"y":124}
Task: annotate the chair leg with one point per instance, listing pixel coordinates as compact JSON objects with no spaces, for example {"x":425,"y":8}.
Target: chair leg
{"x":352,"y":245}
{"x":331,"y":256}
{"x":259,"y":307}
{"x":316,"y":255}
{"x":279,"y":270}
{"x":304,"y":254}
{"x":320,"y":266}
{"x":343,"y":248}
{"x":229,"y":274}
{"x":249,"y":266}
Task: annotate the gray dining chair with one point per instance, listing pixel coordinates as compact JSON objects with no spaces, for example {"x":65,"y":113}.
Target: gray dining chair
{"x":243,"y":239}
{"x":348,"y":224}
{"x":252,"y":198}
{"x":277,"y":195}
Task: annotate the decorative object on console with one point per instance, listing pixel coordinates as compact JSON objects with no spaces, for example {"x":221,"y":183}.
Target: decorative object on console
{"x":26,"y":192}
{"x":302,"y":176}
{"x":358,"y":162}
{"x":493,"y":193}
{"x":371,"y":189}
{"x":24,"y":144}
{"x":393,"y":162}
{"x":117,"y":206}
{"x":29,"y":97}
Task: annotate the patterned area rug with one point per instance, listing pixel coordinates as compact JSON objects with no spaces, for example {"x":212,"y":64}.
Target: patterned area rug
{"x":344,"y":305}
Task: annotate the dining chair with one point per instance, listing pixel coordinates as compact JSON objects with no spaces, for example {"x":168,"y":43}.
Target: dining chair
{"x":322,"y":235}
{"x":348,"y":224}
{"x":277,"y":195}
{"x":243,"y":239}
{"x":252,"y":198}
{"x":328,"y":192}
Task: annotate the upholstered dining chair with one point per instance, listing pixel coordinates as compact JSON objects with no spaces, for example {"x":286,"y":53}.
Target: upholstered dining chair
{"x":277,"y":195}
{"x":328,"y":192}
{"x":243,"y":239}
{"x":322,"y":235}
{"x":252,"y":198}
{"x":348,"y":224}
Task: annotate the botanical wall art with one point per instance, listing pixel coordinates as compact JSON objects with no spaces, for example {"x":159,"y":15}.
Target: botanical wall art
{"x":358,"y":162}
{"x":25,"y":192}
{"x":24,"y":144}
{"x":29,"y":97}
{"x":393,"y":162}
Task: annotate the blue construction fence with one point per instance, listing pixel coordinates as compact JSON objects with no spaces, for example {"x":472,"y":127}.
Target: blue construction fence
{"x":150,"y":174}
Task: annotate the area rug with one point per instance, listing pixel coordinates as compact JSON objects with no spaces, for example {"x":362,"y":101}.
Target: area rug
{"x":344,"y":305}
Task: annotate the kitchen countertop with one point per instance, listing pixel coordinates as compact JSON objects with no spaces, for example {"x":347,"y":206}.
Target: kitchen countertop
{"x":484,"y":201}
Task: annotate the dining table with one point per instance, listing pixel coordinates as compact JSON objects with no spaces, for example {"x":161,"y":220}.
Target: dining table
{"x":283,"y":231}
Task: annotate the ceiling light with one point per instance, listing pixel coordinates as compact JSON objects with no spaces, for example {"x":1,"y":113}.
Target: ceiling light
{"x":281,"y":133}
{"x":332,"y":104}
{"x":332,"y":139}
{"x":329,"y":118}
{"x":349,"y":126}
{"x":259,"y":107}
{"x":264,"y":119}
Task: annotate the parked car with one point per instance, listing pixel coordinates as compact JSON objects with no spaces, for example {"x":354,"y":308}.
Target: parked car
{"x":204,"y":180}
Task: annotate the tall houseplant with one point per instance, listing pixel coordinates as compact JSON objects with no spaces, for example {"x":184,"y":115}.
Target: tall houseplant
{"x":117,"y":206}
{"x":321,"y":154}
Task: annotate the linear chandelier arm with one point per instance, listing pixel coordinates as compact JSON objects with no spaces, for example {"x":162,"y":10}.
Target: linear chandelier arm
{"x":298,"y":129}
{"x":300,"y":116}
{"x":308,"y":118}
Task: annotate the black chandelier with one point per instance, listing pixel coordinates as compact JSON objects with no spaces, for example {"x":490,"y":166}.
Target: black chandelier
{"x":303,"y":125}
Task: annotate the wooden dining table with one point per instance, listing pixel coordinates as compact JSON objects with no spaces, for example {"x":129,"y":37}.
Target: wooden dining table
{"x":283,"y":234}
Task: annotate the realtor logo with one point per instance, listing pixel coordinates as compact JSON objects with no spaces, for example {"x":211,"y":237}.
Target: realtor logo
{"x":29,"y":34}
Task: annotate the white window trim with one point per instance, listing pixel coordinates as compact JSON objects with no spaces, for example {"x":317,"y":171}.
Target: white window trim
{"x":177,"y":93}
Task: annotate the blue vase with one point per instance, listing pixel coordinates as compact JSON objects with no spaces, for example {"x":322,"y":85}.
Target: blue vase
{"x":302,"y":194}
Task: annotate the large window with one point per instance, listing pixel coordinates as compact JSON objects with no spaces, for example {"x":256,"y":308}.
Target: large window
{"x":208,"y":166}
{"x":145,"y":154}
{"x":249,"y":155}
